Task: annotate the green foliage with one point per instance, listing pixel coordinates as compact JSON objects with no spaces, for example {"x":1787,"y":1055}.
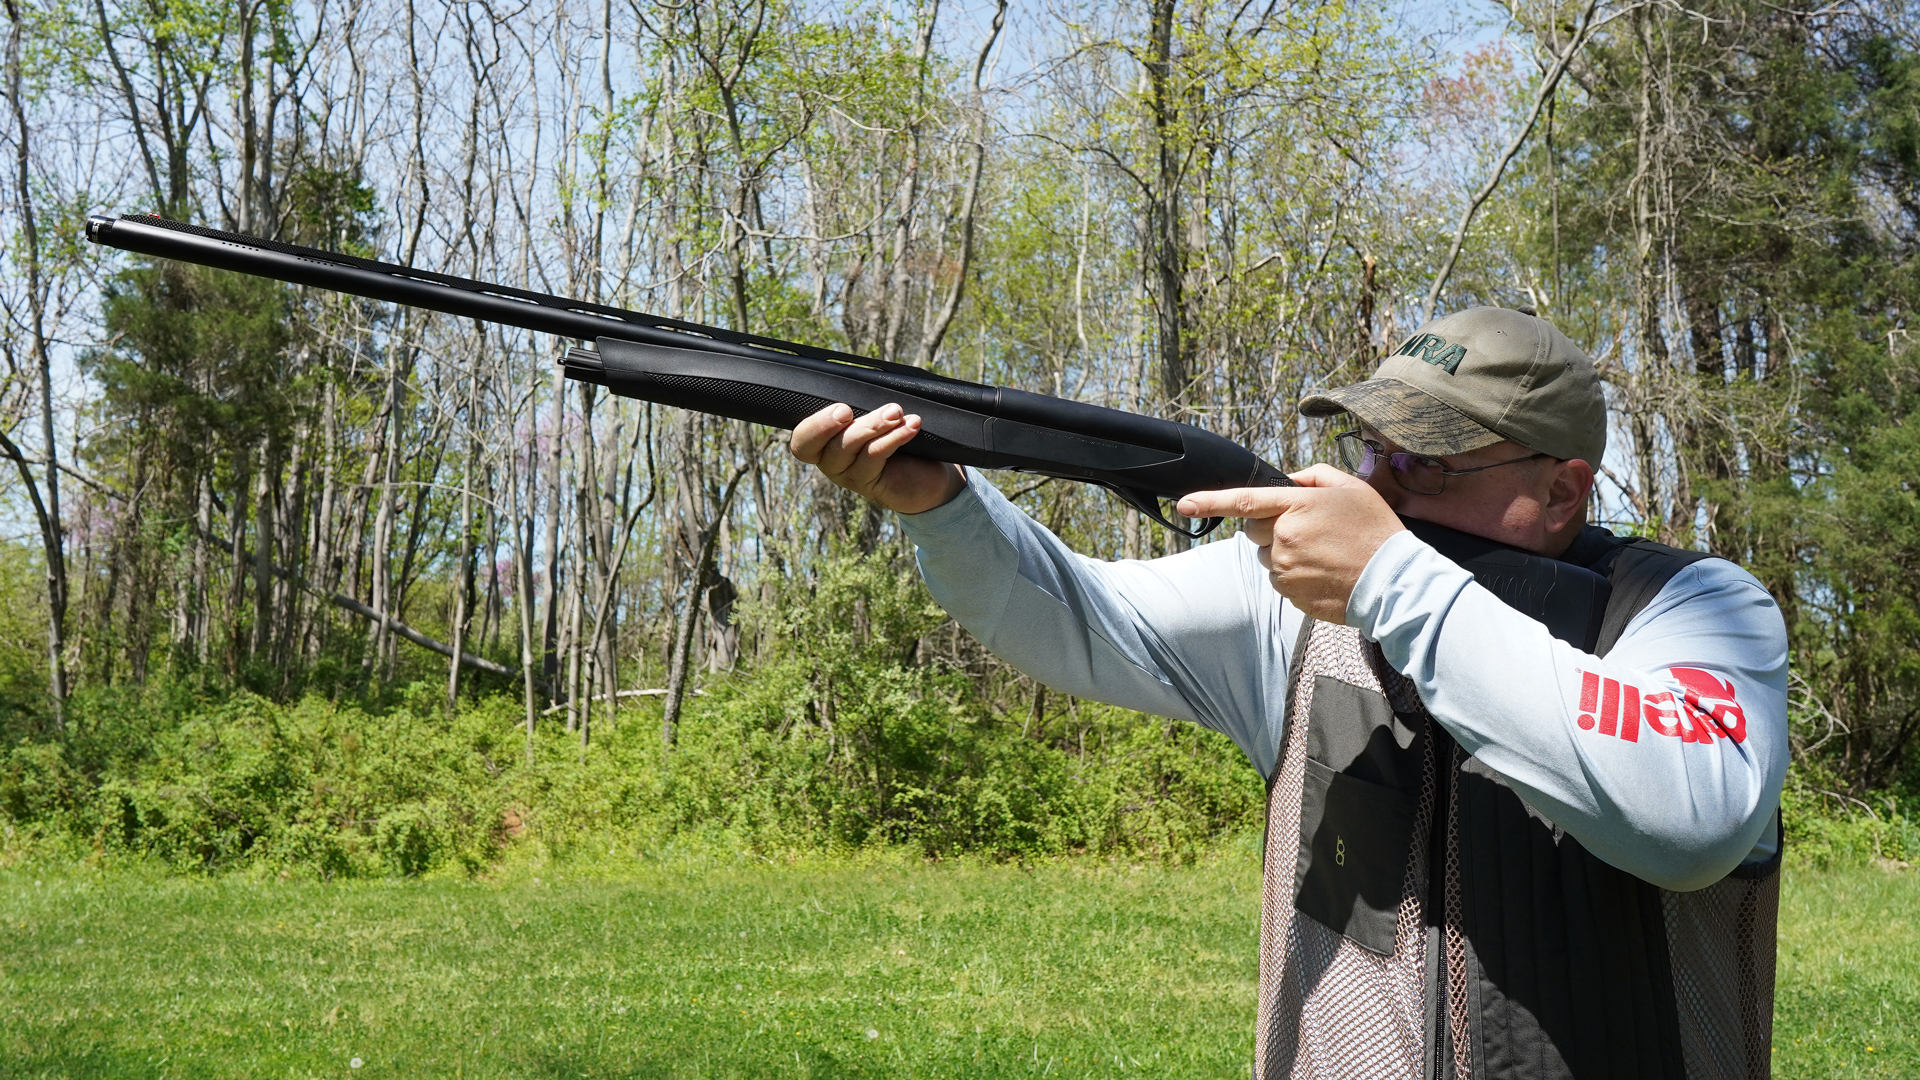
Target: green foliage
{"x":840,"y":740}
{"x":1733,"y":212}
{"x":1827,"y":829}
{"x":198,"y":359}
{"x":331,"y":208}
{"x":23,"y":643}
{"x":902,"y":752}
{"x":38,"y":786}
{"x":327,"y":788}
{"x":843,"y":738}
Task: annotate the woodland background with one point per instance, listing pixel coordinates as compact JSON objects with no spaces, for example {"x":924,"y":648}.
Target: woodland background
{"x":252,"y":526}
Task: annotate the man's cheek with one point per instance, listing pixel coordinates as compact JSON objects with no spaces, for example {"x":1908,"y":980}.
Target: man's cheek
{"x":1383,"y":485}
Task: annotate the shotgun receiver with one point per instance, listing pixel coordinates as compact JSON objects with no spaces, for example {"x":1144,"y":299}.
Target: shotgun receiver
{"x":762,"y":380}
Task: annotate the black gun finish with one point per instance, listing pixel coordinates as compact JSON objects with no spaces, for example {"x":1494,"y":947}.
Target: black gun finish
{"x":1158,"y":458}
{"x":1142,"y":459}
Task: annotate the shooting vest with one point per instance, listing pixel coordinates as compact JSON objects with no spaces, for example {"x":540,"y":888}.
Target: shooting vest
{"x":1419,"y":919}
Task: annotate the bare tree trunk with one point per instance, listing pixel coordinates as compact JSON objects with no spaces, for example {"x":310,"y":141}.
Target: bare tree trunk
{"x":677,"y":663}
{"x":571,"y":635}
{"x":245,"y":17}
{"x":550,"y":588}
{"x":237,"y":579}
{"x":47,"y":508}
{"x":323,"y":550}
{"x":380,"y":598}
{"x":1710,"y":443}
{"x":607,"y":560}
{"x":906,"y":198}
{"x":1652,"y":360}
{"x":420,"y":523}
{"x":491,"y":609}
{"x":264,"y":542}
{"x":463,"y":587}
{"x":1165,"y":234}
{"x":1133,"y":538}
{"x":202,"y":627}
{"x":523,"y":588}
{"x":356,"y":513}
{"x":290,"y":522}
{"x":936,"y":331}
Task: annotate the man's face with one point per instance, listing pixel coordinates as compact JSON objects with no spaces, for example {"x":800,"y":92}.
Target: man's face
{"x":1528,"y":504}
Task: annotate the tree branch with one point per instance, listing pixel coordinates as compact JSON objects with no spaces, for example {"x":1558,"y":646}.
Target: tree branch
{"x":935,"y":334}
{"x":391,"y":624}
{"x":1547,"y":88}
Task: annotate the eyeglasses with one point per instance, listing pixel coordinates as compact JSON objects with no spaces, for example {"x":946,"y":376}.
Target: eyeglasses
{"x":1420,"y":475}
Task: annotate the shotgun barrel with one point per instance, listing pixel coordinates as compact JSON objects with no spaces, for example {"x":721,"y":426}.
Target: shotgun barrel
{"x":1142,"y":459}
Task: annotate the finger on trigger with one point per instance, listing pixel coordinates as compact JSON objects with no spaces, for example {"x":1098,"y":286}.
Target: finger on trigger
{"x":1233,"y":502}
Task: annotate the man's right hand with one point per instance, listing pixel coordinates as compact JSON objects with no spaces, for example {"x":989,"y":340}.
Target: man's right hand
{"x":857,"y":452}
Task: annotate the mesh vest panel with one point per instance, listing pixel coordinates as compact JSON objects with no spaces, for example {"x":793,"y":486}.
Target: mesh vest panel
{"x":1330,"y":1007}
{"x":1722,"y":942}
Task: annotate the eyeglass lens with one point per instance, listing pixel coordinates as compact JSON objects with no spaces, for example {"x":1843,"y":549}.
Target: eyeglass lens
{"x":1422,"y":476}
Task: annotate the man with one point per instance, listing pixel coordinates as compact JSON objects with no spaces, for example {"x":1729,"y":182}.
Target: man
{"x":1490,"y":852}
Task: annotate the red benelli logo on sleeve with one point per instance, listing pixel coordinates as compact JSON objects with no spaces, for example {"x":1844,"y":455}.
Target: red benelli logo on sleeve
{"x":1704,"y":709}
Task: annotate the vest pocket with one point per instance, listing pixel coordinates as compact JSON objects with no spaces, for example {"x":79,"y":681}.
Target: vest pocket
{"x":1355,"y":839}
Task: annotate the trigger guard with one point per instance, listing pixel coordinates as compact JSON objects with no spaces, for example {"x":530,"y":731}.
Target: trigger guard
{"x":1147,"y":504}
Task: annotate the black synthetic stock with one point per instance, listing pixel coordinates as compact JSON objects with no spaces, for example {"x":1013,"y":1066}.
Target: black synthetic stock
{"x":1161,"y":460}
{"x":762,"y":380}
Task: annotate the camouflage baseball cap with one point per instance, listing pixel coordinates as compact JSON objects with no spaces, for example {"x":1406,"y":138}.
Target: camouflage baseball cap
{"x":1475,"y":377}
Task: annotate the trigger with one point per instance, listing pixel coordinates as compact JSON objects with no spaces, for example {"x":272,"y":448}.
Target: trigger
{"x":1148,"y":504}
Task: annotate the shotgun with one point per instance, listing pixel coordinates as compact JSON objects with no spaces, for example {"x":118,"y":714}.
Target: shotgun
{"x":1141,"y":459}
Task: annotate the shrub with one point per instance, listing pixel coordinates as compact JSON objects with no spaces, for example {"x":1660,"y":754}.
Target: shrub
{"x":37,"y":785}
{"x":839,"y":738}
{"x":1826,"y":828}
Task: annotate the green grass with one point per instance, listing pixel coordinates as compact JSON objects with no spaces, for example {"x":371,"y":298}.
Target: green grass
{"x":700,"y":967}
{"x":1848,"y":1000}
{"x":689,"y":969}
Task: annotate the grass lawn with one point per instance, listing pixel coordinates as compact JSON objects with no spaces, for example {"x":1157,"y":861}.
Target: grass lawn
{"x":658,"y":970}
{"x":1848,"y":1001}
{"x":692,"y":968}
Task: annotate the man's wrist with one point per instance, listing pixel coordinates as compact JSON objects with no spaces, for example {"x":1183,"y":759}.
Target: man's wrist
{"x":1382,"y":573}
{"x":956,"y":483}
{"x":922,"y":495}
{"x":949,"y":501}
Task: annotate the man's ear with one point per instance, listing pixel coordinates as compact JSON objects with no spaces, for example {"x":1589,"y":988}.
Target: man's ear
{"x":1568,"y":485}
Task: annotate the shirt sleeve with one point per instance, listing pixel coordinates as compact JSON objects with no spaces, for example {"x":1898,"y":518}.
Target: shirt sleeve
{"x":1198,"y":636}
{"x":1665,"y":758}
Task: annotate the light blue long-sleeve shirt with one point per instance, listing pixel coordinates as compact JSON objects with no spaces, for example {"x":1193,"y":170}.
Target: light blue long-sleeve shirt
{"x":1665,"y":758}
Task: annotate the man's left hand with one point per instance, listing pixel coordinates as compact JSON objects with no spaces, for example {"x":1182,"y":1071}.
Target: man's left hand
{"x":1314,"y":539}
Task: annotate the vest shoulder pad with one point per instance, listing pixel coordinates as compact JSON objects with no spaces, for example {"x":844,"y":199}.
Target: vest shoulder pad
{"x":1638,"y":569}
